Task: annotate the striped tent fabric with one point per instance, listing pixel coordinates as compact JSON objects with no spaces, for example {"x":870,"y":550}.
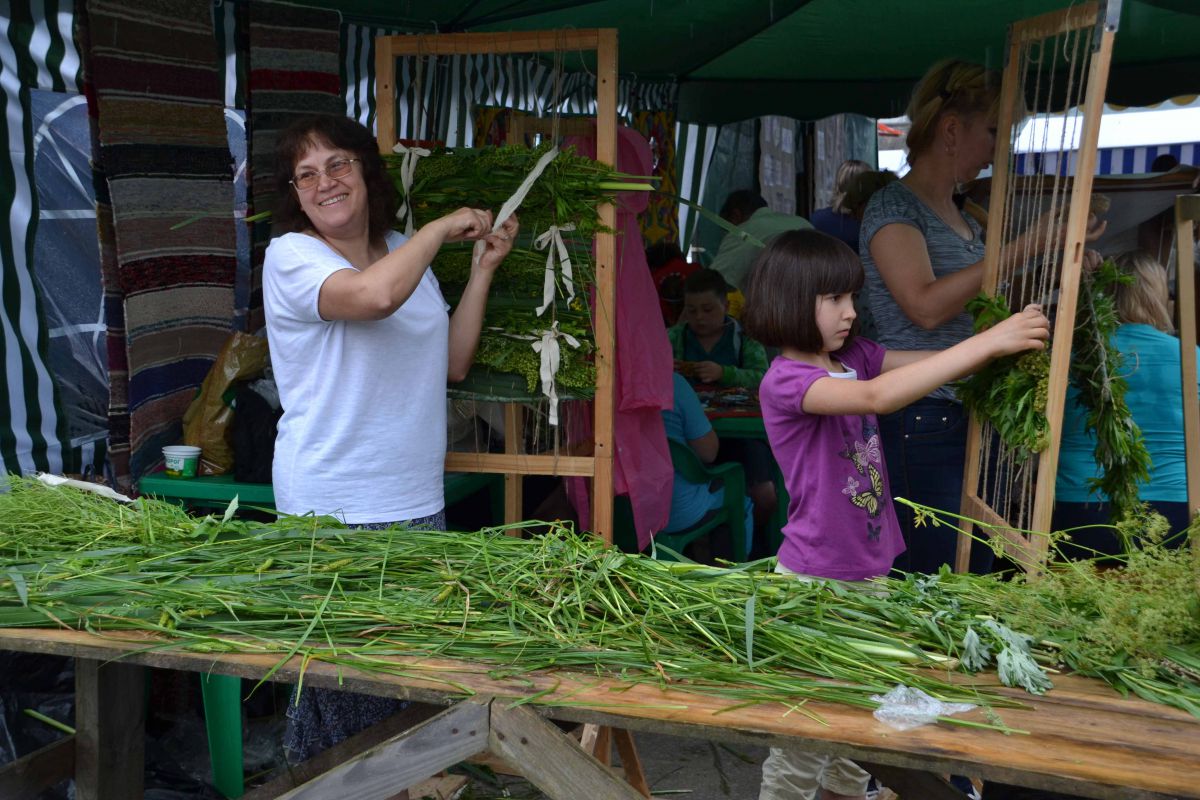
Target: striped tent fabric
{"x":37,"y":51}
{"x":229,"y":28}
{"x":294,"y":71}
{"x":694,"y":146}
{"x":358,"y":70}
{"x":438,"y":94}
{"x":157,"y":96}
{"x":1109,"y":160}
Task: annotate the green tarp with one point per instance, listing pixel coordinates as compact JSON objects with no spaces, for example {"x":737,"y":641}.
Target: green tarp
{"x":807,"y":59}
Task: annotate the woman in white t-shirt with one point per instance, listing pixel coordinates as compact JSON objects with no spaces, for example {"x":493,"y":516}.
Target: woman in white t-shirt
{"x":362,"y":347}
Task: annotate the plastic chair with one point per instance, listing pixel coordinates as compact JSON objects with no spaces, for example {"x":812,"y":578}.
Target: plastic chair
{"x":732,"y":512}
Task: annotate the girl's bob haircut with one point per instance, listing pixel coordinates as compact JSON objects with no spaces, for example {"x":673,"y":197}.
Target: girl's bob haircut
{"x":340,"y":133}
{"x":794,"y":270}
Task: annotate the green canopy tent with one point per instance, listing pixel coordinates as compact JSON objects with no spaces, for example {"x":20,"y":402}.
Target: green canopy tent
{"x":808,"y":59}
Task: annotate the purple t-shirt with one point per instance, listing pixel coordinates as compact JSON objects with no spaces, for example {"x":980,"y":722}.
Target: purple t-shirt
{"x":841,"y":521}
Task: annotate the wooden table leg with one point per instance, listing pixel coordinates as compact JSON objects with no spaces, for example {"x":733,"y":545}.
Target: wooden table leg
{"x":110,"y":725}
{"x":630,"y":760}
{"x":912,"y":782}
{"x":29,"y":776}
{"x":549,"y":759}
{"x":514,"y":444}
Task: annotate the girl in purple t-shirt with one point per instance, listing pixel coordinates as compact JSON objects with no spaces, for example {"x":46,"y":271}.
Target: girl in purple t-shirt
{"x":820,"y":399}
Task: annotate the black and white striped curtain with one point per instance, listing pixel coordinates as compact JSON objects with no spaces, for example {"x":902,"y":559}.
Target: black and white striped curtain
{"x":437,"y":95}
{"x":38,"y":51}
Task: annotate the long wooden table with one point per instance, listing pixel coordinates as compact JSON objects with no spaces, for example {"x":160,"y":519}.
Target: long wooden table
{"x":1082,"y":738}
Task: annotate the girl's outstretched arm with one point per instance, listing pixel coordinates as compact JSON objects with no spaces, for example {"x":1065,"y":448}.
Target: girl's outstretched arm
{"x":896,"y":388}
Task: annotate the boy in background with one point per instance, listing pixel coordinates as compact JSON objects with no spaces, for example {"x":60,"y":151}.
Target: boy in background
{"x":710,"y":347}
{"x":711,"y":342}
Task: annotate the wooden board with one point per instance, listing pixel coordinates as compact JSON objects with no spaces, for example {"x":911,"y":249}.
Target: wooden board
{"x":1082,"y":738}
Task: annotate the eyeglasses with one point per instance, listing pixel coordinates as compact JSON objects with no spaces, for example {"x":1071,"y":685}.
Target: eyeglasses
{"x":336,"y":169}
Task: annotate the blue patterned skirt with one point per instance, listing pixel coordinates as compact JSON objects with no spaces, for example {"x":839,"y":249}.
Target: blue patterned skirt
{"x":320,"y":718}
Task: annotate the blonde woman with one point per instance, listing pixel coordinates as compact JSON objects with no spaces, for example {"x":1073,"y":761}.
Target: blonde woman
{"x":838,"y":219}
{"x":1152,"y":361}
{"x":924,"y":260}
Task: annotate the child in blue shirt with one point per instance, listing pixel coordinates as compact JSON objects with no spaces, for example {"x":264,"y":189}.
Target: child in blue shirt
{"x":686,"y":423}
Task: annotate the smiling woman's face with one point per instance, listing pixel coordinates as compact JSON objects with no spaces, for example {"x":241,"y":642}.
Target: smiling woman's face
{"x":336,"y":207}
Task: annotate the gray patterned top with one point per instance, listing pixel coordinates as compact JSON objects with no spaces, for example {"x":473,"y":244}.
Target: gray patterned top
{"x":948,"y":253}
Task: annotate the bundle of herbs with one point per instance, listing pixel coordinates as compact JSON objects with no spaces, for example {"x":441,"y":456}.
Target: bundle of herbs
{"x":1010,"y":392}
{"x":1133,"y":621}
{"x":506,"y":345}
{"x":566,"y":195}
{"x":568,"y":191}
{"x":308,"y":587}
{"x":521,"y":274}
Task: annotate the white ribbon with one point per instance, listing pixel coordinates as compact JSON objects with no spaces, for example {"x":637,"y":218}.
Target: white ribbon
{"x":408,"y":169}
{"x":513,"y":203}
{"x":552,"y":242}
{"x":545,"y":344}
{"x":96,"y":488}
{"x":547,"y":347}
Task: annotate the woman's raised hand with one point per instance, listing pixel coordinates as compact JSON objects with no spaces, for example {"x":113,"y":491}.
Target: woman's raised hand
{"x":466,"y":224}
{"x":498,"y":245}
{"x":1050,"y":230}
{"x":1028,"y":329}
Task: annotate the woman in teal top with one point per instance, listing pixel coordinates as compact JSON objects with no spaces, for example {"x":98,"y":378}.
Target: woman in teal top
{"x":1155,"y":398}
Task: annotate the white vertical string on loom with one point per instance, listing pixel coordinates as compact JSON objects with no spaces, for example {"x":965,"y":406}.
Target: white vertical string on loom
{"x":408,"y":169}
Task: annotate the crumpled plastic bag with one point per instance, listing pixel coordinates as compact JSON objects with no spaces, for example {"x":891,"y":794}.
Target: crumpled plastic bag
{"x":905,"y":708}
{"x":208,"y":422}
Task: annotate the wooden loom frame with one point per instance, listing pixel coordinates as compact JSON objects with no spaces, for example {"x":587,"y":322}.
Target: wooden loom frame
{"x":1031,"y":553}
{"x":512,"y":463}
{"x":1187,"y":214}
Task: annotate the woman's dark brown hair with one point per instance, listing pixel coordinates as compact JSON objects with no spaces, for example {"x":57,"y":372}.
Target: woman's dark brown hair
{"x":344,"y":134}
{"x":794,"y":270}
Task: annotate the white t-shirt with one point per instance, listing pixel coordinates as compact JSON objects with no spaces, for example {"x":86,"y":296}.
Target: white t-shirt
{"x":363,"y":432}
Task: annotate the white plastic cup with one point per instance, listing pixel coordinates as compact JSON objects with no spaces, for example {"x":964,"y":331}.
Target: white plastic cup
{"x":181,"y":460}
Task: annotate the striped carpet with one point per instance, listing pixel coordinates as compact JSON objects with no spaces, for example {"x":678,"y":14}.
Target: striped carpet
{"x":156,"y":94}
{"x":293,"y":71}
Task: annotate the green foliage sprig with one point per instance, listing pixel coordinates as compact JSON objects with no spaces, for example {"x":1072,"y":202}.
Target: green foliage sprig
{"x":568,"y":191}
{"x":1096,"y":373}
{"x":501,"y":350}
{"x":1009,"y":392}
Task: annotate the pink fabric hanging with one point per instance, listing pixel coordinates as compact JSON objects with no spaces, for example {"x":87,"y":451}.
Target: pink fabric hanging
{"x":642,"y":467}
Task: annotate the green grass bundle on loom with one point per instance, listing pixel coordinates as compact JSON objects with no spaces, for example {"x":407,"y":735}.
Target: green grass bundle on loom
{"x":505,"y":345}
{"x":568,"y":192}
{"x":520,"y":276}
{"x":1011,"y":392}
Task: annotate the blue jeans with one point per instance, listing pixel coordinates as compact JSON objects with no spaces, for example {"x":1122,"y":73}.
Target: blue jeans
{"x":925,"y":447}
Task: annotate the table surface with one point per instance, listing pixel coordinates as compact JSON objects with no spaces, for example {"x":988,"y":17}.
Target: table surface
{"x":1081,"y":738}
